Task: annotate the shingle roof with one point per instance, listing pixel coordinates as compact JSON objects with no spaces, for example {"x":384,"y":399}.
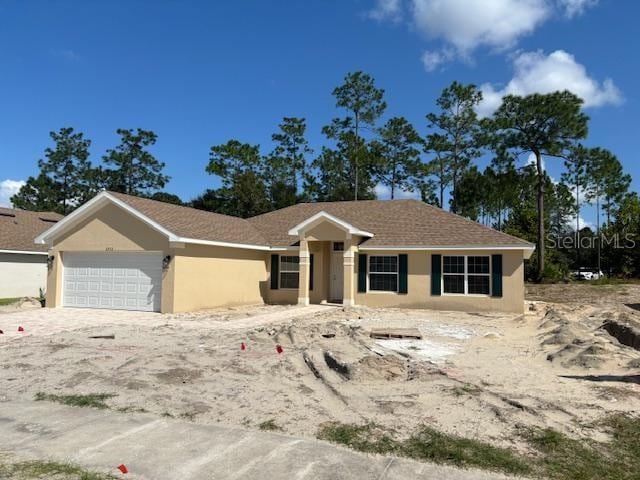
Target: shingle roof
{"x":409,"y":223}
{"x":189,"y":222}
{"x":19,"y":228}
{"x":394,"y":223}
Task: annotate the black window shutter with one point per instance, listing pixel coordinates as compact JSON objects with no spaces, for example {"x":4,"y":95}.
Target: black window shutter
{"x":275,"y":269}
{"x":362,"y":273}
{"x":436,"y":274}
{"x":496,"y":275}
{"x":311,"y":272}
{"x":403,"y":272}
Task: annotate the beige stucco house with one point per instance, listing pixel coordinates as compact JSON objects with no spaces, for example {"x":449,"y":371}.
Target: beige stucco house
{"x":124,"y":252}
{"x":23,"y":264}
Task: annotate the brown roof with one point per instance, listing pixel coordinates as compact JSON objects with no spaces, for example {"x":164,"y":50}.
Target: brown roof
{"x":189,"y":222}
{"x":408,"y":223}
{"x":401,"y":223}
{"x":19,"y":228}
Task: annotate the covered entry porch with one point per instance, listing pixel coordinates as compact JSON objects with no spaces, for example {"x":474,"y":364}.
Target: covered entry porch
{"x":327,"y":253}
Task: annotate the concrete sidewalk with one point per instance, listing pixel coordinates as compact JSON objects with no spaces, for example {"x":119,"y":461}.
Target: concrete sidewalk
{"x":157,"y":449}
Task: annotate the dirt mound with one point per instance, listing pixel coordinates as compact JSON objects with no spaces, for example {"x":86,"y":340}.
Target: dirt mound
{"x":373,"y":367}
{"x":553,"y":318}
{"x":583,"y":345}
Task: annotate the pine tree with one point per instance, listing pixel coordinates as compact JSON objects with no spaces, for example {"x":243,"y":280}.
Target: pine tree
{"x":136,"y":171}
{"x":397,"y":154}
{"x":457,"y":144}
{"x":545,"y":125}
{"x":65,"y":176}
{"x":364,"y":103}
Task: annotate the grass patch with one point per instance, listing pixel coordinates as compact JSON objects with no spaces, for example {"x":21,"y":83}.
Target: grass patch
{"x":45,"y":470}
{"x":466,"y":389}
{"x":426,"y":444}
{"x":8,"y":301}
{"x":269,"y":426}
{"x":93,"y":400}
{"x":557,"y":456}
{"x":132,"y":410}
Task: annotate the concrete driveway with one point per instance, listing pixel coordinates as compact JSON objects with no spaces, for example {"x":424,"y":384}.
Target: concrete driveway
{"x":161,"y":449}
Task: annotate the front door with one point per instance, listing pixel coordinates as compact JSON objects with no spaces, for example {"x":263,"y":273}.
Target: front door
{"x":336,"y":288}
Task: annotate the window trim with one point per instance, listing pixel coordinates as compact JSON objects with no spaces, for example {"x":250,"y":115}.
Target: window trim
{"x":281,"y":271}
{"x":396,"y":273}
{"x":465,"y":275}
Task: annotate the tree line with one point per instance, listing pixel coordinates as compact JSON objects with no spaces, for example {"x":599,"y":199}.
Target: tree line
{"x":361,"y":152}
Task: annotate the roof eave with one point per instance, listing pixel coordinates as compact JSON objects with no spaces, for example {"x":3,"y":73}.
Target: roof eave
{"x":526,"y":247}
{"x":311,"y":222}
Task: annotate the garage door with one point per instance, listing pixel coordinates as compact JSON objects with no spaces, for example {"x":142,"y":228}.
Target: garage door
{"x":125,"y":281}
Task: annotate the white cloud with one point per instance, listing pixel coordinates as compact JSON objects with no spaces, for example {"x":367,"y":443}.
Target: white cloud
{"x":461,"y":26}
{"x":531,"y":160}
{"x":386,"y":10}
{"x":574,"y":8}
{"x":583,"y":223}
{"x":9,"y":188}
{"x":535,"y":72}
{"x":432,"y":59}
{"x":384,"y":193}
{"x":468,"y":24}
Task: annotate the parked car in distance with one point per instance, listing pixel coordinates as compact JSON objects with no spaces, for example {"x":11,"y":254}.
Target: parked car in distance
{"x":585,"y":273}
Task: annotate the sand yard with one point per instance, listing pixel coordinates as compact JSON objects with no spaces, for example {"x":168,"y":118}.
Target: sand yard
{"x":482,"y":376}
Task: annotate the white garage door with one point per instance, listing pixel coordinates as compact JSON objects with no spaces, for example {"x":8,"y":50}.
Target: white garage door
{"x":125,"y":281}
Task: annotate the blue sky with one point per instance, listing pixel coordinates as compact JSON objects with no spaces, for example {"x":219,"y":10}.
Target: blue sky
{"x":199,"y":73}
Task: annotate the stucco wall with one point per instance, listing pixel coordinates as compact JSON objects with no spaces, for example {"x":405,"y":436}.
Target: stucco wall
{"x":325,"y":231}
{"x":22,"y":275}
{"x":111,"y":228}
{"x":207,"y":277}
{"x":419,"y":283}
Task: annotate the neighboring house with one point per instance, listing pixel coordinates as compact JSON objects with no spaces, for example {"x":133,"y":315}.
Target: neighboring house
{"x":125,"y":252}
{"x":23,"y":264}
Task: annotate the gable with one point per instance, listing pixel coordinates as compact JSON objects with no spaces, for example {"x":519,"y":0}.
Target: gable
{"x":325,"y":230}
{"x":111,"y":227}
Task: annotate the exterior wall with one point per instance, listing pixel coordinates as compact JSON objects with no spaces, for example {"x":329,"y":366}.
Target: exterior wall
{"x":111,"y":229}
{"x":207,"y":276}
{"x":419,"y":283}
{"x":22,"y":275}
{"x":325,"y":231}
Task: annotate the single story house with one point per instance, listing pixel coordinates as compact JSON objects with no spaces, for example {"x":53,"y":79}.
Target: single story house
{"x":23,"y":264}
{"x":125,"y":252}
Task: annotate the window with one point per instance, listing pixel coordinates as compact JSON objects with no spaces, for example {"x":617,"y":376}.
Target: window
{"x":289,"y":271}
{"x":338,"y":246}
{"x":478,"y":275}
{"x":453,"y":274}
{"x":383,"y":273}
{"x":466,"y":275}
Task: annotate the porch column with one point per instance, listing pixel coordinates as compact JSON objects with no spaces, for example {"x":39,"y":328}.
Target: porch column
{"x":348,"y":295}
{"x":303,"y":283}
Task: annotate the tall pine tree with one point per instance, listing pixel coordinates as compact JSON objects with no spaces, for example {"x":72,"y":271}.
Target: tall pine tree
{"x":135,"y":171}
